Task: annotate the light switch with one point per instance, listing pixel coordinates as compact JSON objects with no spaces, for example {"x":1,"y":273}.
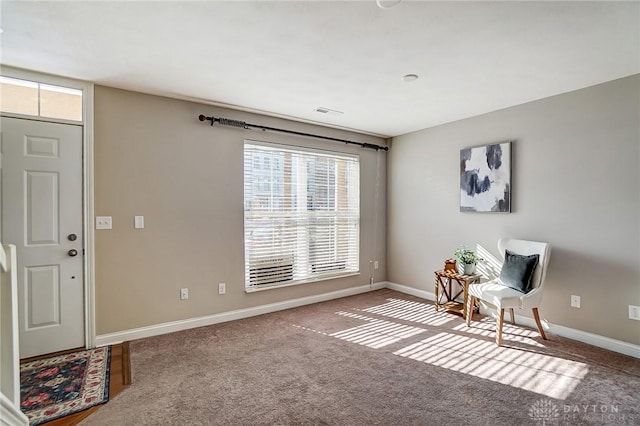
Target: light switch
{"x":138,"y":222}
{"x":103,"y":222}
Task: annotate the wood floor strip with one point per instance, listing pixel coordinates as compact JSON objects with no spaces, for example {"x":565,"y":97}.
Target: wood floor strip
{"x":126,"y":364}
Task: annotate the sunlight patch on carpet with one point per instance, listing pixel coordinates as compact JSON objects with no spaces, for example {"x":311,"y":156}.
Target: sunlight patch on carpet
{"x":543,"y":374}
{"x":422,"y":313}
{"x":375,"y":333}
{"x":509,"y":332}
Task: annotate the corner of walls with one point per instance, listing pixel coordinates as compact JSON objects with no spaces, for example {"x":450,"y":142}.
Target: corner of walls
{"x":154,"y":158}
{"x":575,"y":184}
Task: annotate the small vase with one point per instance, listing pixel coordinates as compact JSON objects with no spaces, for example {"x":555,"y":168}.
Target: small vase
{"x":469,"y":269}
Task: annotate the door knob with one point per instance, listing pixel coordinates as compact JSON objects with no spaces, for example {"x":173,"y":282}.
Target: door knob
{"x":72,"y":252}
{"x":72,"y":237}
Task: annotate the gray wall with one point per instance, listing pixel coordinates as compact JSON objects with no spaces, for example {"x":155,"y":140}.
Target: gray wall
{"x":575,"y":184}
{"x":154,"y":158}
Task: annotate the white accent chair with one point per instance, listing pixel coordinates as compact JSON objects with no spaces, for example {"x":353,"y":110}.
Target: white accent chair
{"x":503,"y":297}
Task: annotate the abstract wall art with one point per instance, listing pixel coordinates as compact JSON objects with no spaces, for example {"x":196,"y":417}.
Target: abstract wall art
{"x":485,"y":178}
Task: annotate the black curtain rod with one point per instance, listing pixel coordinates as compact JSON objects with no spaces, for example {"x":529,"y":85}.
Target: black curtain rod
{"x":243,"y":125}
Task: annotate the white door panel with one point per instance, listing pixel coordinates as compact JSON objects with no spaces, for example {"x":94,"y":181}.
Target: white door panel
{"x":42,"y":291}
{"x":41,"y":207}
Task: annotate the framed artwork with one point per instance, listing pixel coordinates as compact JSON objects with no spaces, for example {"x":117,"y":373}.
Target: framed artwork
{"x":485,"y":178}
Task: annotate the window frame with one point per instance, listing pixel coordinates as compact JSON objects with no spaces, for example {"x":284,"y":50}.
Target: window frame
{"x":320,"y":276}
{"x":49,"y":84}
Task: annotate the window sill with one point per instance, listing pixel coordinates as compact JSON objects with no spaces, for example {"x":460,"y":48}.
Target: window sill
{"x":271,"y":287}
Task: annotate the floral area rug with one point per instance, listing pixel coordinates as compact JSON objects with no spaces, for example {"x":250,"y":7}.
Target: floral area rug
{"x":65,"y":384}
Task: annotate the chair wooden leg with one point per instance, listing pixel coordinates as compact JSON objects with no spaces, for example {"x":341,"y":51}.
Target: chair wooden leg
{"x":513,"y":317}
{"x":471,"y":302}
{"x":499,"y":327}
{"x":536,"y":316}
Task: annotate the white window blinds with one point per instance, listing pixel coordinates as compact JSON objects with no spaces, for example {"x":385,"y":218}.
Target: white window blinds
{"x":301,"y":214}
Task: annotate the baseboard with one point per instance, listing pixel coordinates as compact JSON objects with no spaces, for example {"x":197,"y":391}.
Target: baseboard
{"x":170,"y":327}
{"x":411,"y":290}
{"x":10,"y":415}
{"x":603,"y":342}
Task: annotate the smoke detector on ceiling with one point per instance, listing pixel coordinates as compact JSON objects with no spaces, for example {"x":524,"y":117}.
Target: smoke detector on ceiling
{"x":409,"y":78}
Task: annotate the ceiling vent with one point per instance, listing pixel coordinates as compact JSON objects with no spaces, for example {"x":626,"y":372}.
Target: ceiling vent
{"x":323,"y":110}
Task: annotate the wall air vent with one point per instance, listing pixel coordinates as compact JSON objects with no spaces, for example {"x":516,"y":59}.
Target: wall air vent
{"x":270,"y":271}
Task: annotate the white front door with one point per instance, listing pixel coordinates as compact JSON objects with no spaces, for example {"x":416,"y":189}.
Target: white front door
{"x":41,"y":165}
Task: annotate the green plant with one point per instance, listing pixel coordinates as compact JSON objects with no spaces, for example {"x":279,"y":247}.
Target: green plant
{"x":466,"y":256}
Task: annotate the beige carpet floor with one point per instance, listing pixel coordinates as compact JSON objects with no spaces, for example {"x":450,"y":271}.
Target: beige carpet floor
{"x":380,"y":358}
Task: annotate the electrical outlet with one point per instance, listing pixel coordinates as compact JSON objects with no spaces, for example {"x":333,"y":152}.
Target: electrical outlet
{"x":375,"y":265}
{"x":575,"y":301}
{"x":222,"y":288}
{"x":103,"y":222}
{"x":184,"y":293}
{"x":634,"y":312}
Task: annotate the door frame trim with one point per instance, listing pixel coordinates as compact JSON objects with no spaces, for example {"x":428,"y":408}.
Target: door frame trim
{"x":87,"y":124}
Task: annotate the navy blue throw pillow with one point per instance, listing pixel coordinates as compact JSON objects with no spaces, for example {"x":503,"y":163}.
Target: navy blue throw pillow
{"x":517,"y":270}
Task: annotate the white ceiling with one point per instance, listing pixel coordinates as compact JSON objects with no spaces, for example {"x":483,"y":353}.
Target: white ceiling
{"x":288,"y":58}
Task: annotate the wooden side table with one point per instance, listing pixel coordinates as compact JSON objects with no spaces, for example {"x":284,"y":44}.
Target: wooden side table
{"x":444,"y":282}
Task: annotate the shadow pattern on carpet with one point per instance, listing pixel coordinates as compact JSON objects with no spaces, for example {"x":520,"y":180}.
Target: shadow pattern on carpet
{"x":379,"y":358}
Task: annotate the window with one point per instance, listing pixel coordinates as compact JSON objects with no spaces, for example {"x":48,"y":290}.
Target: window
{"x":43,"y":100}
{"x":301,"y":214}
